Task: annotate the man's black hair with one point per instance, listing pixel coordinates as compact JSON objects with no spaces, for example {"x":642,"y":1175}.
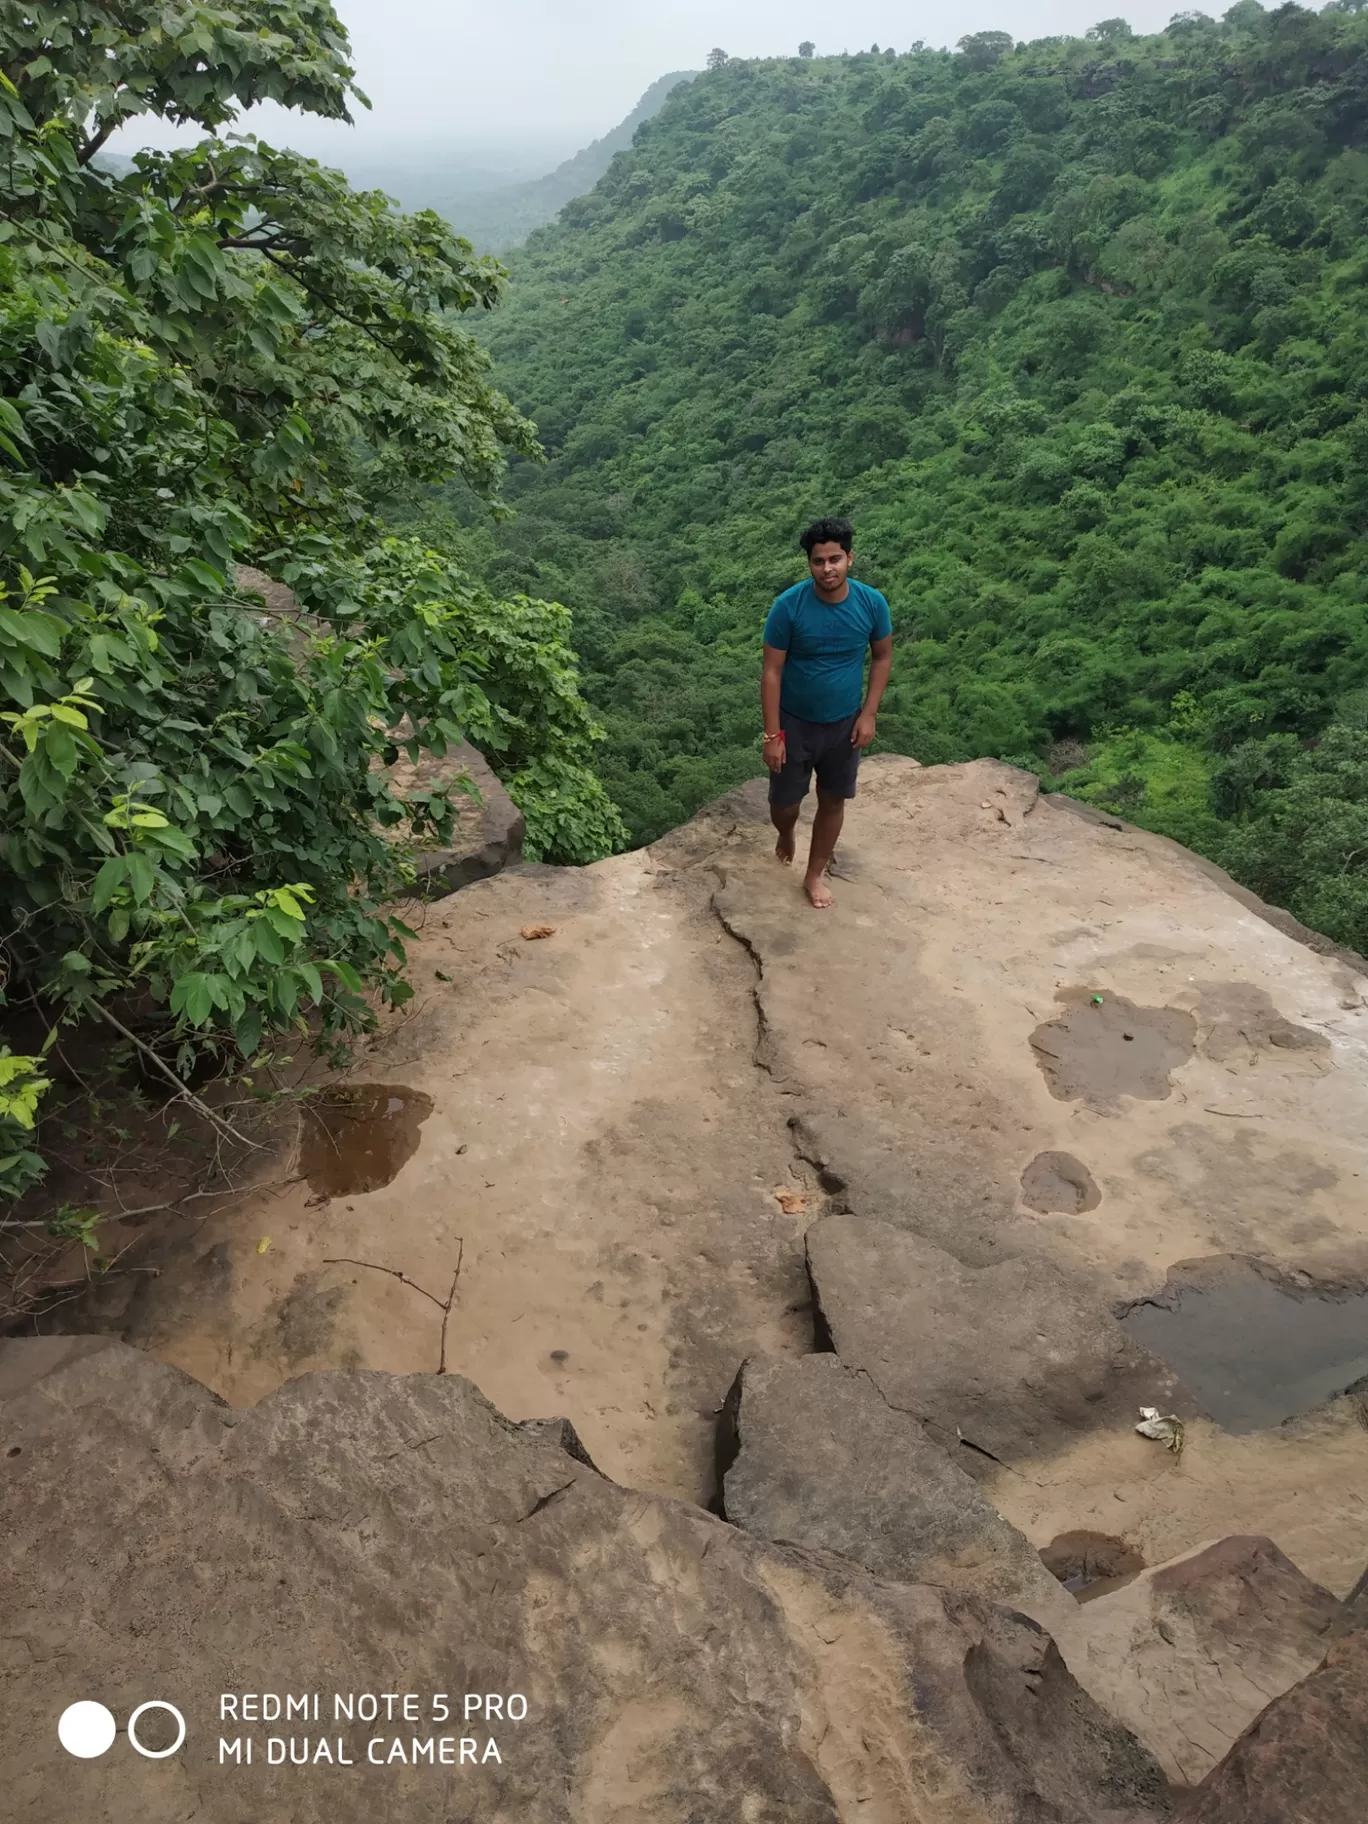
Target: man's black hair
{"x":828,"y":532}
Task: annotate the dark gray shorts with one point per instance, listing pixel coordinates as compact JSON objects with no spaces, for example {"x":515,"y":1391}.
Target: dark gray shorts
{"x":820,"y":747}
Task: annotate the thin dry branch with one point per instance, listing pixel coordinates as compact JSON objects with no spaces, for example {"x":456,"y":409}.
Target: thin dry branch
{"x":444,"y":1305}
{"x":224,"y":1128}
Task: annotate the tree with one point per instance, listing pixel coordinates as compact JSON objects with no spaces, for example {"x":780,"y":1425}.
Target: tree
{"x":1305,"y":845}
{"x":806,"y":48}
{"x":1109,"y":31}
{"x":981,"y":50}
{"x":225,"y":353}
{"x":718,"y":59}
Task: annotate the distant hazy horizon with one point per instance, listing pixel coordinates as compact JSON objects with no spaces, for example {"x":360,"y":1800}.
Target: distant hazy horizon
{"x":513,"y":89}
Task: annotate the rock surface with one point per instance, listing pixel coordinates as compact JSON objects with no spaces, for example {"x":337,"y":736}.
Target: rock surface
{"x":819,"y":1458}
{"x":658,"y":1130}
{"x":362,"y":1533}
{"x":1190,"y":1652}
{"x":488,"y":831}
{"x":1305,"y":1759}
{"x":1010,"y":1359}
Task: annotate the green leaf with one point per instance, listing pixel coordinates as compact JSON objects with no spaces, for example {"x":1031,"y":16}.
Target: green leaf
{"x":191,"y":1000}
{"x":142,"y":876}
{"x":205,"y":575}
{"x":28,"y":627}
{"x":268,"y":942}
{"x":88,"y":512}
{"x":60,"y":748}
{"x":113,"y":874}
{"x":345,"y":974}
{"x":247,"y":1031}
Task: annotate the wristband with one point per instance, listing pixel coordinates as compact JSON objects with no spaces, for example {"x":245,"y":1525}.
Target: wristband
{"x":778,"y":736}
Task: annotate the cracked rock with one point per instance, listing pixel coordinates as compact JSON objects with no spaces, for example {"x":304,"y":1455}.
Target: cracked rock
{"x":1190,"y":1651}
{"x":819,"y":1458}
{"x":1304,"y":1758}
{"x":675,"y":1669}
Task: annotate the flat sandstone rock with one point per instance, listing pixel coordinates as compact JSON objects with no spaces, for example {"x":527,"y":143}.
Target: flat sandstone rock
{"x":1304,"y":1760}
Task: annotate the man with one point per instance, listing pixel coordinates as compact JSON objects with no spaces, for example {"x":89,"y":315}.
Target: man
{"x":811,"y":692}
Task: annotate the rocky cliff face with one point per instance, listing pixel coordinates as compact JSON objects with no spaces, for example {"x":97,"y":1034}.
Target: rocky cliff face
{"x":871,"y":1230}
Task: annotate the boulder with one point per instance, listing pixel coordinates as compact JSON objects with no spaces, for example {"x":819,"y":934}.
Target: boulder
{"x":1303,"y":1760}
{"x":816,"y":1456}
{"x":489,"y":829}
{"x":1190,"y":1652}
{"x":382,"y":1550}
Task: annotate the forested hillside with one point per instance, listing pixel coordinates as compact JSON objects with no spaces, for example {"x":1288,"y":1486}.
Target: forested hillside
{"x":502,"y":216}
{"x":1075,"y":331}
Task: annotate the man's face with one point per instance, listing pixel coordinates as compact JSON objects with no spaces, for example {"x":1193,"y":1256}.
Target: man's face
{"x":829,"y":565}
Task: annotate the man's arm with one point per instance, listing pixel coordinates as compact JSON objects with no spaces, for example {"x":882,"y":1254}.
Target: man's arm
{"x":771,"y":677}
{"x":880,"y":665}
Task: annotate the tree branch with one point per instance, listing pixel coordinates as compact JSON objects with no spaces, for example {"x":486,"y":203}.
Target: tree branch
{"x":92,"y":146}
{"x":201,"y":1108}
{"x":329,"y":304}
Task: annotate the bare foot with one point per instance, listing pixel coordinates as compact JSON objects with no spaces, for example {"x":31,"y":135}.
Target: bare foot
{"x":818,"y":892}
{"x":784,"y":847}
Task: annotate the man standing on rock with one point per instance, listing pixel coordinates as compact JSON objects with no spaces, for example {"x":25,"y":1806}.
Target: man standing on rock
{"x":817,"y":713}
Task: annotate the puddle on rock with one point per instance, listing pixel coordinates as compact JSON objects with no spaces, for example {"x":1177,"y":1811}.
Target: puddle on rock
{"x":359,"y":1137}
{"x":1253,"y":1347}
{"x":1058,"y":1184}
{"x":1091,"y":1564}
{"x":1103,"y":1046}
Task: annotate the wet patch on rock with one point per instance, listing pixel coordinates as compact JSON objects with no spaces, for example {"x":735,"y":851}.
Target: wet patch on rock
{"x":359,"y":1138}
{"x":1103,"y":1046}
{"x":1007,"y":1363}
{"x":307,"y":1319}
{"x":1243,"y":1021}
{"x":1060,"y":1185}
{"x":1091,"y":1564}
{"x":1254,"y":1346}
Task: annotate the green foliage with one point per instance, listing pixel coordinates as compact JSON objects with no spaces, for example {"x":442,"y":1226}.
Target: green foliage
{"x":21,"y":1089}
{"x":1073,"y":331}
{"x":227,"y":352}
{"x":1306,"y":848}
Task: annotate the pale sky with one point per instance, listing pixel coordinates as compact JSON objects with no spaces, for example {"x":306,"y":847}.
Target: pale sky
{"x":555,"y":74}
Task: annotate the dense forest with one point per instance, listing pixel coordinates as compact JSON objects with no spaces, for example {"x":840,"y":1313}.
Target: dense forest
{"x":1075,"y":332}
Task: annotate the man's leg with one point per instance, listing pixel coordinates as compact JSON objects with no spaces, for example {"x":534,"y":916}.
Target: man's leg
{"x":826,"y":829}
{"x":784,"y":817}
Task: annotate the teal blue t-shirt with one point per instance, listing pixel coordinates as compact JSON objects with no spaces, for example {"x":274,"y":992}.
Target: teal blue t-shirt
{"x":826,"y":643}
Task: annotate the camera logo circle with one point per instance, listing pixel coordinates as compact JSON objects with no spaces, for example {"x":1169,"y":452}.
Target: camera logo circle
{"x":156,"y":1754}
{"x":87,"y":1730}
